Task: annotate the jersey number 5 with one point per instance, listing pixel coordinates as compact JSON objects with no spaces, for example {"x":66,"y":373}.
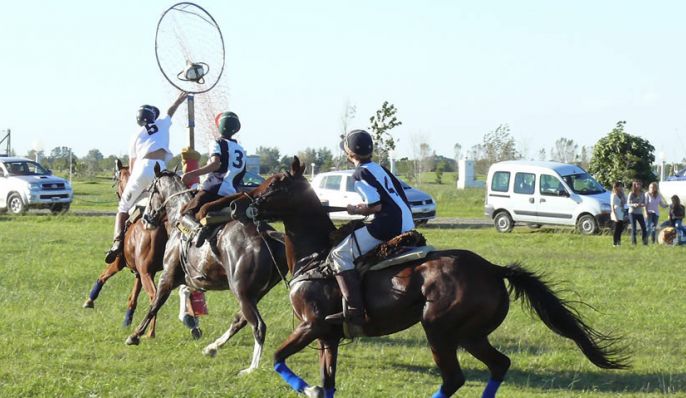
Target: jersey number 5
{"x":151,"y":128}
{"x":238,"y":162}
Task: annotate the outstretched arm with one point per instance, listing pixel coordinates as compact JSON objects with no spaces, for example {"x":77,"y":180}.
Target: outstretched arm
{"x":213,"y":165}
{"x":172,"y":109}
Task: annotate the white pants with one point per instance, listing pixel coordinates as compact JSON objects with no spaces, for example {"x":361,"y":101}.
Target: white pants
{"x":343,"y":255}
{"x":142,"y":176}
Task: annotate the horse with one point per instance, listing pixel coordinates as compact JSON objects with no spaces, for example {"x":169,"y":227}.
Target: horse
{"x":142,"y":254}
{"x":458,"y":297}
{"x":243,"y":260}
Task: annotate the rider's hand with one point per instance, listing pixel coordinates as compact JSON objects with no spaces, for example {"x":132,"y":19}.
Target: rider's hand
{"x":353,"y":209}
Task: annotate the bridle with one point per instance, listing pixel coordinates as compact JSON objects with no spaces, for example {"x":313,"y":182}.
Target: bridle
{"x":153,"y":216}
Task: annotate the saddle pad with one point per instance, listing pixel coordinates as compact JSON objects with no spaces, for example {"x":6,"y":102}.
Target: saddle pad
{"x":135,"y":213}
{"x":413,"y":254}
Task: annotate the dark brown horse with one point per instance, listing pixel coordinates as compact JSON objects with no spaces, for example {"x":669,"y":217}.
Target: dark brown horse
{"x":242,"y":260}
{"x":458,"y":296}
{"x":143,"y":252}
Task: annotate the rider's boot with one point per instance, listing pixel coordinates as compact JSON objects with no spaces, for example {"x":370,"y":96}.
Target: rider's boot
{"x":188,"y":225}
{"x":351,"y":289}
{"x":118,"y":242}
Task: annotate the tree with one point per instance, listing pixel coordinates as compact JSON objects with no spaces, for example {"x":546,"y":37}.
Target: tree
{"x":92,"y":161}
{"x":381,"y":123}
{"x":620,"y":156}
{"x":541,"y":155}
{"x":59,"y":158}
{"x":565,"y":151}
{"x":499,"y":145}
{"x":269,"y":159}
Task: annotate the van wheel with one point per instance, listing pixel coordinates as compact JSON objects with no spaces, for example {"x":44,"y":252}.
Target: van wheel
{"x":15,"y":205}
{"x":587,"y":225}
{"x":503,"y":222}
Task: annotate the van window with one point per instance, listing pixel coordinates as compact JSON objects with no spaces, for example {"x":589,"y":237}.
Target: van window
{"x":524,"y":183}
{"x":550,"y":185}
{"x":332,"y":182}
{"x":350,"y":184}
{"x":501,"y":181}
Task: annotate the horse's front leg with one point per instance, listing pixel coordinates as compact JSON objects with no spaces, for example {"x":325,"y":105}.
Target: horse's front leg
{"x":148,"y":282}
{"x":328,"y":354}
{"x":132,"y":301}
{"x":168,"y":280}
{"x":303,"y":335}
{"x":117,"y":265}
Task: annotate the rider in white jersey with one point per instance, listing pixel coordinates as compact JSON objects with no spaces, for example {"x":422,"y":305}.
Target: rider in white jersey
{"x":149,"y":146}
{"x":226,"y":169}
{"x":384,"y":197}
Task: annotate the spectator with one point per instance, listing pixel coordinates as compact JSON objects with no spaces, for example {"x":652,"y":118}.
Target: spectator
{"x":636,"y":201}
{"x":617,"y":201}
{"x":653,"y":202}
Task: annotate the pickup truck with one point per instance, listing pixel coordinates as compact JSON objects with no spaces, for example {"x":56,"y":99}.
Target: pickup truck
{"x":26,"y":184}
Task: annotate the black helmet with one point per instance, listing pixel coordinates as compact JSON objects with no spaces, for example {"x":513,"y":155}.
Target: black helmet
{"x":358,"y":142}
{"x":228,"y":124}
{"x":147,"y":114}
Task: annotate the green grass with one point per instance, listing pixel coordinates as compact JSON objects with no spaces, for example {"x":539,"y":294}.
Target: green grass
{"x":51,"y":347}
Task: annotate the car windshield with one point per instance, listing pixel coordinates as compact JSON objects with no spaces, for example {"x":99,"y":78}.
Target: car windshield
{"x":252,"y":179}
{"x":25,"y":168}
{"x":583,"y":184}
{"x":404,"y":184}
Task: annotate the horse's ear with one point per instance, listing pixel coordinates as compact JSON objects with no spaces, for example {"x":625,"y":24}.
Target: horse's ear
{"x":176,"y":168}
{"x":296,"y":169}
{"x":157,"y":169}
{"x":117,"y":164}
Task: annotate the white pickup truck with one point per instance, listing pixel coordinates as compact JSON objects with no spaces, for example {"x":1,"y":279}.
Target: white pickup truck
{"x":26,"y":184}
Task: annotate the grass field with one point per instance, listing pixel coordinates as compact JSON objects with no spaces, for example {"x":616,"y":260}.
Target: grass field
{"x":51,"y":347}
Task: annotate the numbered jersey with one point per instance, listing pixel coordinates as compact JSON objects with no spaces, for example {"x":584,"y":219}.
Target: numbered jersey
{"x":377,"y":185}
{"x":226,"y":179}
{"x":152,"y":137}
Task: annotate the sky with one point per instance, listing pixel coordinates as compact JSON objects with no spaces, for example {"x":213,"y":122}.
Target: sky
{"x":74,"y":72}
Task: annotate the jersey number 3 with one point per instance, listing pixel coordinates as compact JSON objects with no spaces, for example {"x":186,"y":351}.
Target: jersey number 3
{"x":238,"y":162}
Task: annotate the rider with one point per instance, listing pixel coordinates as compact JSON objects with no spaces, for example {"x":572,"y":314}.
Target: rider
{"x":149,"y":146}
{"x":384,"y":197}
{"x":226,"y":167}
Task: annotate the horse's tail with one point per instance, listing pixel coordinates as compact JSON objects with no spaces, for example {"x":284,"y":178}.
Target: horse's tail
{"x":560,"y":317}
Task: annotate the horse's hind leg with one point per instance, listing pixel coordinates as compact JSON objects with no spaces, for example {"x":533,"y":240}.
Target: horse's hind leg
{"x":106,"y":274}
{"x":328,"y":353}
{"x":148,"y":282}
{"x":238,"y":323}
{"x":132,"y":301}
{"x":497,"y":362}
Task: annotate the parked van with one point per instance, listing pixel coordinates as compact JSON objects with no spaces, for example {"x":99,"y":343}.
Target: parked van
{"x":539,"y":193}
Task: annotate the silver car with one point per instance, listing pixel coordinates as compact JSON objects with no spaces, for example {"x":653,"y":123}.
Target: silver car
{"x":26,"y":184}
{"x":336,"y":188}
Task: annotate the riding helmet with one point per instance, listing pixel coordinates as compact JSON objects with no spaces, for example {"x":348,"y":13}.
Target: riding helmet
{"x":358,"y":142}
{"x":147,"y":114}
{"x":228,"y":124}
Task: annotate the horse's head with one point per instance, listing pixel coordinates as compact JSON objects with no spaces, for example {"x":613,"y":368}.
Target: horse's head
{"x":120,"y":177}
{"x":283,"y":195}
{"x":164,"y":187}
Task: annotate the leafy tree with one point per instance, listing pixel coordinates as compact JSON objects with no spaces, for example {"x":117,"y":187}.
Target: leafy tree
{"x":381,"y":123}
{"x":499,"y":145}
{"x":542,"y":154}
{"x":565,"y":151}
{"x":269,"y":159}
{"x":620,"y":156}
{"x":59,"y":158}
{"x":440,"y":166}
{"x":92,"y":161}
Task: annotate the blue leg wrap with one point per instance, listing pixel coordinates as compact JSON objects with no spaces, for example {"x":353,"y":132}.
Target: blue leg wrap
{"x":291,"y":378}
{"x":96,"y":290}
{"x":440,"y":393}
{"x":329,"y":392}
{"x":491,"y":389}
{"x":128,"y":317}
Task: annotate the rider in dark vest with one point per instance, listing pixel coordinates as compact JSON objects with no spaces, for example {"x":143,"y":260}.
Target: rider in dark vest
{"x":383,"y":197}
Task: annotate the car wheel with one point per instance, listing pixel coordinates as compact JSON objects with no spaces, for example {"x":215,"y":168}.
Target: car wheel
{"x":15,"y":205}
{"x":59,"y":208}
{"x":587,"y":225}
{"x":503,"y":222}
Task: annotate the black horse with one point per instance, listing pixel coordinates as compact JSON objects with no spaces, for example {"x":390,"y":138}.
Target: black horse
{"x":243,"y":261}
{"x":458,"y":296}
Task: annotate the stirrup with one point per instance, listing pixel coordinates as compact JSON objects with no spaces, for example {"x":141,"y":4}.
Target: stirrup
{"x":114,"y":251}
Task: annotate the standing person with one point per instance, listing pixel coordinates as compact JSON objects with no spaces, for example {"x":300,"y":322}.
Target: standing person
{"x":653,"y":203}
{"x":226,"y":168}
{"x":384,"y":197}
{"x":636,"y":201}
{"x":617,"y":201}
{"x":147,"y":147}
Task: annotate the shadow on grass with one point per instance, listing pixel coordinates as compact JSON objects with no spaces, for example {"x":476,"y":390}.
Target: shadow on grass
{"x":511,"y":346}
{"x":605,"y":381}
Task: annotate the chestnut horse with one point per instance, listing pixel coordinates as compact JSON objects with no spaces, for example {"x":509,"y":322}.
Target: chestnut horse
{"x":458,"y":296}
{"x":243,"y":261}
{"x":142,"y":254}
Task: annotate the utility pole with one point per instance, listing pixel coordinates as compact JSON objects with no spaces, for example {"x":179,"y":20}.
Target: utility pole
{"x":7,"y":137}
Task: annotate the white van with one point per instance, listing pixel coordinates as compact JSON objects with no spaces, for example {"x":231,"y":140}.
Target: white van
{"x":538,"y":193}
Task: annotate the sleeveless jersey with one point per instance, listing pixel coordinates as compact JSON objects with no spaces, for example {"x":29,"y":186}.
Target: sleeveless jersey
{"x":151,"y":137}
{"x":226,"y":179}
{"x":377,"y":185}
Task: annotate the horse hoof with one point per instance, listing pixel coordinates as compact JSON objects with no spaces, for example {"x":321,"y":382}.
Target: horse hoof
{"x":314,"y":392}
{"x":247,"y":372}
{"x":196,"y":333}
{"x":89,"y":304}
{"x":133,"y":340}
{"x":210,"y":351}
